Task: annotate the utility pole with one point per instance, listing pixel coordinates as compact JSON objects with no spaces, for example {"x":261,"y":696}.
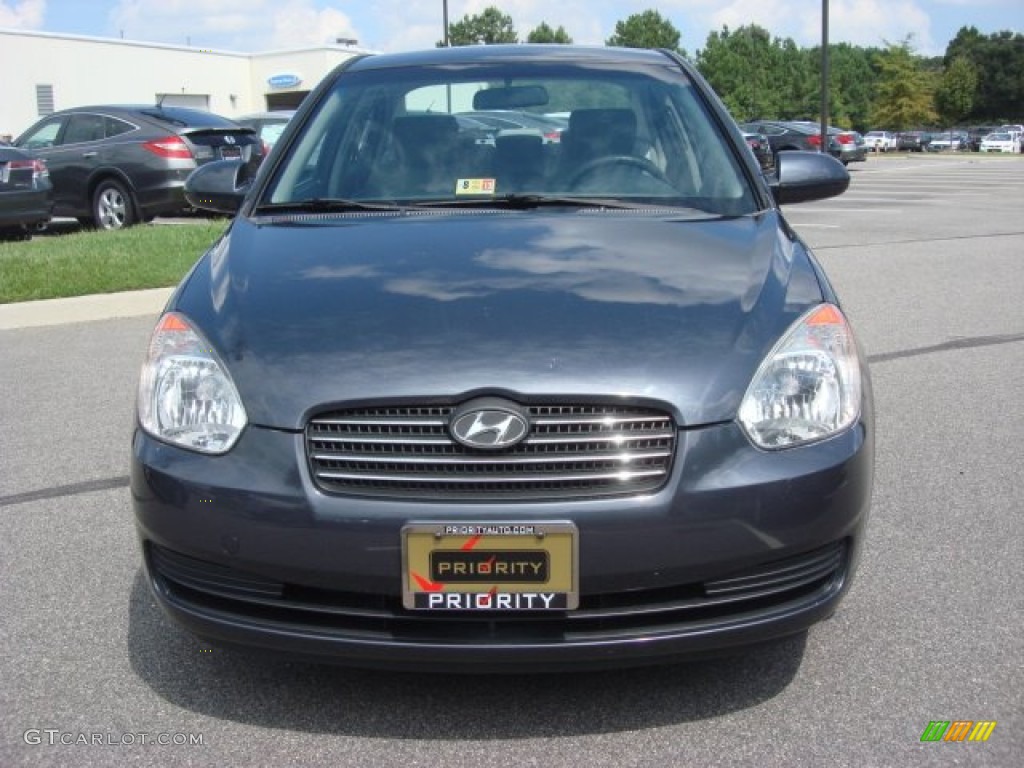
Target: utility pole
{"x":824,"y":76}
{"x":445,"y":6}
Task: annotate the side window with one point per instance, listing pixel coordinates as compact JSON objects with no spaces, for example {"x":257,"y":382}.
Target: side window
{"x":44,"y":136}
{"x":114,"y":127}
{"x":83,"y":128}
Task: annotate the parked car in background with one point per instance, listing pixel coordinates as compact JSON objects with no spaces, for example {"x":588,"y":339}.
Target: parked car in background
{"x":881,"y":141}
{"x":761,"y":148}
{"x":550,"y":129}
{"x":267,"y":125}
{"x":914,"y":141}
{"x":26,"y":193}
{"x":1000,"y":142}
{"x":954,"y":141}
{"x":1016,"y":130}
{"x":783,"y":136}
{"x":976,"y":134}
{"x":852,"y":147}
{"x":112,"y":166}
{"x":479,"y":408}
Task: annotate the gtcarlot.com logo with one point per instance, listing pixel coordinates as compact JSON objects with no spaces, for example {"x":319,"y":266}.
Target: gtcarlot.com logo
{"x":958,"y":730}
{"x":54,"y":736}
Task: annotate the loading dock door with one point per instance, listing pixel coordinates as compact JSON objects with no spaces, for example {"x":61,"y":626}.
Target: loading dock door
{"x":289,"y":100}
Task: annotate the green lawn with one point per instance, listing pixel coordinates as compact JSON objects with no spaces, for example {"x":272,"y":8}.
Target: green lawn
{"x":83,"y":262}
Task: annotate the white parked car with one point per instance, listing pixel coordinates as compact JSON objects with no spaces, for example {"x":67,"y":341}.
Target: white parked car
{"x":950,"y":140}
{"x":1000,"y":142}
{"x":881,"y":141}
{"x":1016,"y":131}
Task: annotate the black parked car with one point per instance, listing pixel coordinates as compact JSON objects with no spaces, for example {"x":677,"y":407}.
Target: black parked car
{"x":914,"y":141}
{"x":112,"y":166}
{"x":26,"y":194}
{"x":441,"y":404}
{"x":784,"y":136}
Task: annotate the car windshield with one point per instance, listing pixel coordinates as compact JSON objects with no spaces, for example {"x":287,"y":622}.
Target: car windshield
{"x":497,"y":134}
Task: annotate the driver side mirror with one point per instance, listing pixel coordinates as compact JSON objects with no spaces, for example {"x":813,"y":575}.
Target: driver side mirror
{"x":804,"y":176}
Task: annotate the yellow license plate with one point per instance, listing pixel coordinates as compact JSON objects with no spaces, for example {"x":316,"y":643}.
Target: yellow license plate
{"x":513,"y":566}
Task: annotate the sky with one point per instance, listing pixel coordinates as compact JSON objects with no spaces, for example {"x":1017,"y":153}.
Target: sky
{"x":400,"y":25}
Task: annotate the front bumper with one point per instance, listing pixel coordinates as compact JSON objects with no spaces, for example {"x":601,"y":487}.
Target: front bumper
{"x":740,"y":546}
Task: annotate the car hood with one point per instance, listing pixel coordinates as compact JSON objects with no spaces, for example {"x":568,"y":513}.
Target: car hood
{"x":309,"y":312}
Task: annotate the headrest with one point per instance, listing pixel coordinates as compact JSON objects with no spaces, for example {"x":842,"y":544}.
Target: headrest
{"x":602,"y":131}
{"x":619,"y":123}
{"x":428,"y":130}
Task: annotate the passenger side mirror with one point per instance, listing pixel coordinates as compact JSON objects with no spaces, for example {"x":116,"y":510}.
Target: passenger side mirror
{"x":220,"y":186}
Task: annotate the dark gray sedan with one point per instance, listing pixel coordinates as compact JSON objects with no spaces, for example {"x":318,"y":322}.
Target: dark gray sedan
{"x":113,"y":166}
{"x":432,"y":403}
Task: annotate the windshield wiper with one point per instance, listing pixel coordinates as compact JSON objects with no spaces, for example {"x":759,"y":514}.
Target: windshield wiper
{"x":326,"y":205}
{"x":525,"y":202}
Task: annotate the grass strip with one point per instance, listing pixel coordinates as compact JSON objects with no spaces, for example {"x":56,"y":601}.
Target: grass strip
{"x":85,"y":262}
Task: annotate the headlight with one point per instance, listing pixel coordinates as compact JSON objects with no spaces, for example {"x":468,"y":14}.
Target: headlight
{"x":186,"y":396}
{"x":808,"y":387}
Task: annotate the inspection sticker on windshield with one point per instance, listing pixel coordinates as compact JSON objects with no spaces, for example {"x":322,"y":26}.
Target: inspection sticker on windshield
{"x":475,"y":187}
{"x":490,"y":566}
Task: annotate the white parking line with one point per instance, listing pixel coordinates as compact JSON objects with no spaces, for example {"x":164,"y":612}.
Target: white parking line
{"x":816,"y":209}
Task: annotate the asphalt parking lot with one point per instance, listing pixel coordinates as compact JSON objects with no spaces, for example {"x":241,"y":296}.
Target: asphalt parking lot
{"x":927,"y":253}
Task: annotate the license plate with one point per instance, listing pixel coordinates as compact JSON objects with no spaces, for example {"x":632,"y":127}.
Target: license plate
{"x":229,"y":153}
{"x":490,"y":566}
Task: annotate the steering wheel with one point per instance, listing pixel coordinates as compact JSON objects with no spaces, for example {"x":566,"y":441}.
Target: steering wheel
{"x":639,"y":163}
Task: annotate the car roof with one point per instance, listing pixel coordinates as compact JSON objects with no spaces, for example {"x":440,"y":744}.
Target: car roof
{"x":507,"y":54}
{"x":185,"y":117}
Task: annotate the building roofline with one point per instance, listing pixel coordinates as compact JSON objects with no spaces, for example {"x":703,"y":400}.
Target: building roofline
{"x":173,"y":47}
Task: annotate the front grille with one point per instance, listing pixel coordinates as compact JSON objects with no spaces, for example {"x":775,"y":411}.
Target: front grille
{"x":571,"y":451}
{"x":761,"y":592}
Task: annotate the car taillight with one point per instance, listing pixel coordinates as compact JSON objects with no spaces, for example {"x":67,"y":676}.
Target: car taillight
{"x":169,"y":146}
{"x":845,"y":138}
{"x":553,"y":136}
{"x":39,"y":169}
{"x":814,"y":140}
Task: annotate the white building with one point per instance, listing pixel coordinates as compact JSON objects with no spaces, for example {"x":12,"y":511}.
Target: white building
{"x":42,"y":72}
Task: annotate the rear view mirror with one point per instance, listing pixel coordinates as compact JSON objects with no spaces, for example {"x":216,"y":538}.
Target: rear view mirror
{"x":511,"y":97}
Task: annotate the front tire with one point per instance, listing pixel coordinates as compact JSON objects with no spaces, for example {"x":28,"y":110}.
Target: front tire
{"x":112,"y":206}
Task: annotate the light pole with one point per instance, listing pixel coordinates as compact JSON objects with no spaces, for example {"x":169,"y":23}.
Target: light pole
{"x":445,"y":12}
{"x":824,"y":76}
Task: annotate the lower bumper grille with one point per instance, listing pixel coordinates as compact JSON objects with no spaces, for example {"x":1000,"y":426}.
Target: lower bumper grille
{"x":211,"y":588}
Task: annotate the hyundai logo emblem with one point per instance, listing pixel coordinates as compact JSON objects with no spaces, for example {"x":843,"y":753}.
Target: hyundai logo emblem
{"x":489,"y":424}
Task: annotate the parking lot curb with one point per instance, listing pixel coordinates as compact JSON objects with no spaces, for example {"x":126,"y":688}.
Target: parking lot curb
{"x":82,"y":309}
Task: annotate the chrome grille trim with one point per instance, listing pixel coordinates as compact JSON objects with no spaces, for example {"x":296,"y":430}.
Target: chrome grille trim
{"x":571,"y":451}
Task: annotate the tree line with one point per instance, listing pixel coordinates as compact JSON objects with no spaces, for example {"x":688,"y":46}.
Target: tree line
{"x":980,"y":79}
